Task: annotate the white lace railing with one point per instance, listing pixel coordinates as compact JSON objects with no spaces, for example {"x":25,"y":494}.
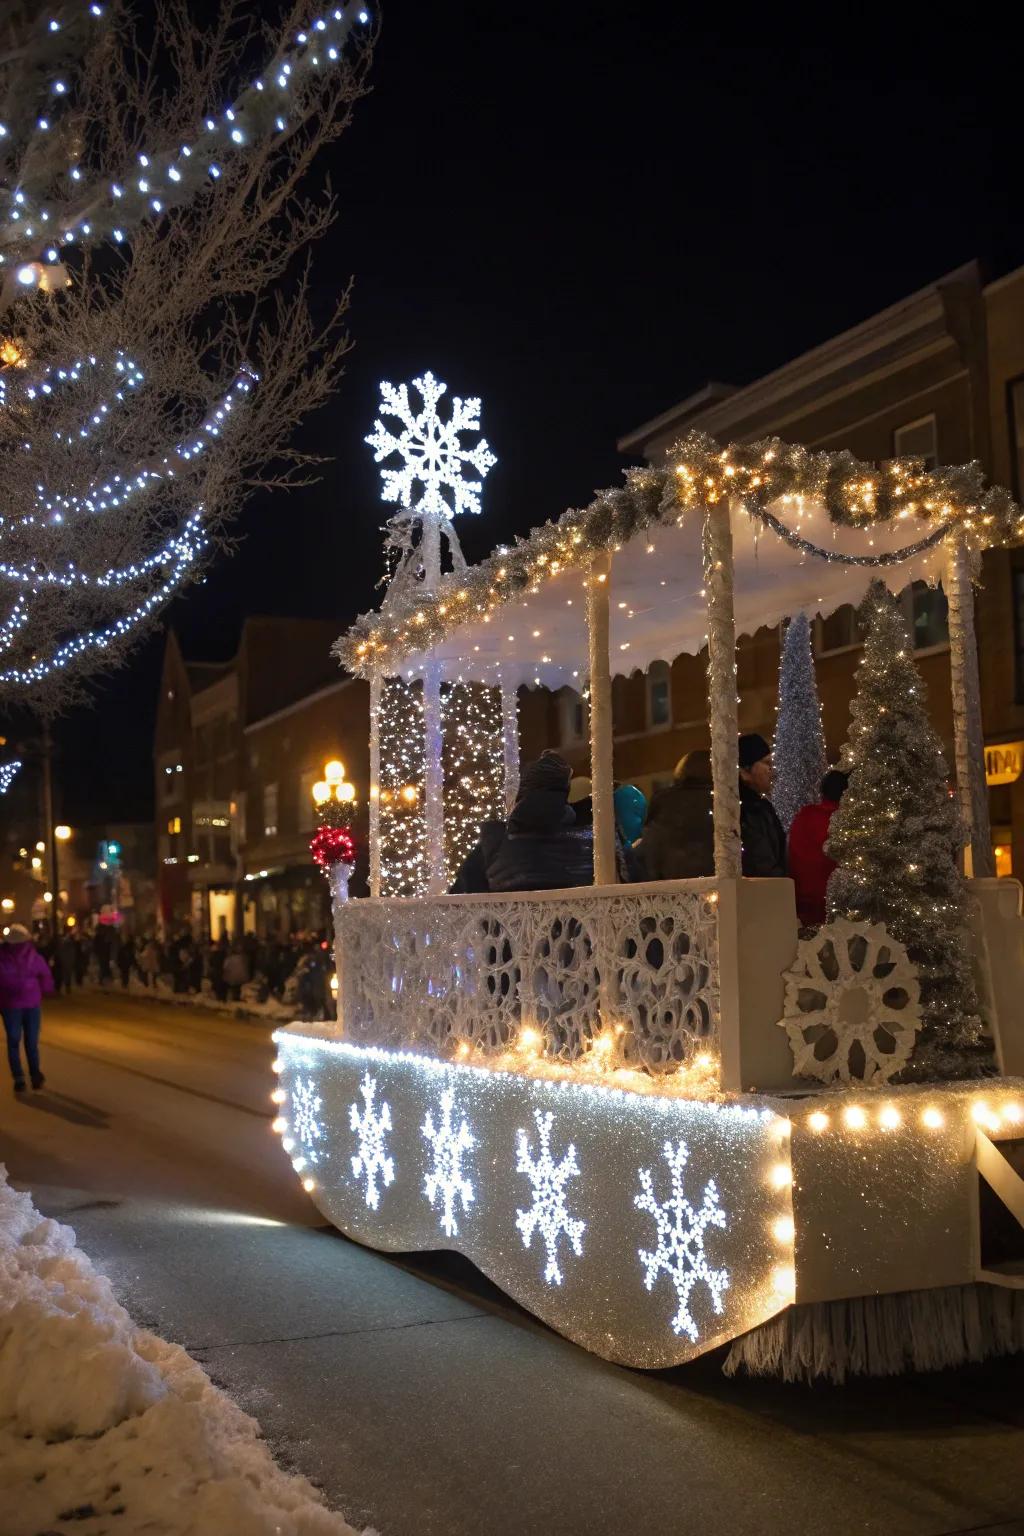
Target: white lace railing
{"x":641,"y":960}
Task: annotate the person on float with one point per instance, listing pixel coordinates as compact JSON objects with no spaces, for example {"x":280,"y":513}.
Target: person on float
{"x":543,"y":848}
{"x":761,"y":831}
{"x":678,"y":840}
{"x":630,"y":813}
{"x":25,"y":979}
{"x":809,"y":864}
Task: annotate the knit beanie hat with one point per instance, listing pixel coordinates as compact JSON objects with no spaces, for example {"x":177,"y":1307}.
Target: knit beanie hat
{"x":550,"y":771}
{"x":752,"y":749}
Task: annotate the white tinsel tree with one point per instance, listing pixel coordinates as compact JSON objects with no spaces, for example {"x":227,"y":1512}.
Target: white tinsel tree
{"x":897,"y":835}
{"x":798,"y":754}
{"x":158,"y":347}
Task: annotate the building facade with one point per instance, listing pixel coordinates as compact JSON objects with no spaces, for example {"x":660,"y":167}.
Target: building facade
{"x":939,"y":375}
{"x":212,"y":794}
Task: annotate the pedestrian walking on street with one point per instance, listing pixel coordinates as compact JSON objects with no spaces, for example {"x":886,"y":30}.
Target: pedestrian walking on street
{"x":25,"y":979}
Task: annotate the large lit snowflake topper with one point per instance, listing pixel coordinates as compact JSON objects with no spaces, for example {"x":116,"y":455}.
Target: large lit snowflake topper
{"x":306,"y":1104}
{"x":371,"y":1125}
{"x":446,"y":1179}
{"x":432,"y":477}
{"x":549,"y":1212}
{"x":680,"y":1232}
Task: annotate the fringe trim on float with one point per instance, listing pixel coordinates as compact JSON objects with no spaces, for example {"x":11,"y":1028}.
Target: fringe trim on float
{"x":884,"y":1335}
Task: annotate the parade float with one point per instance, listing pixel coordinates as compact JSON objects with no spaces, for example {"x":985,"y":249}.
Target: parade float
{"x":660,"y":1116}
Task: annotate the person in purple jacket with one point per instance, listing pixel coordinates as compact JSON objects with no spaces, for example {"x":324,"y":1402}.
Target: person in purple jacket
{"x":25,"y":979}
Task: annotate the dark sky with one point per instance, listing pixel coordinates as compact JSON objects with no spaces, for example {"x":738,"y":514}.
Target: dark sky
{"x":582,"y":212}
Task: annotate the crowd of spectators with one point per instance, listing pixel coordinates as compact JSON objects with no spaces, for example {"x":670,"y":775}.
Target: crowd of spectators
{"x":295,"y":971}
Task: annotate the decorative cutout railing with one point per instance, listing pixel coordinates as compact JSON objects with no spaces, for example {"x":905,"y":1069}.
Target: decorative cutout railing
{"x":640,"y":960}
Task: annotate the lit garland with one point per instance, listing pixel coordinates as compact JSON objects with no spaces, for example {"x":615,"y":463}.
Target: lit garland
{"x":83,"y":207}
{"x":473,"y":766}
{"x":330,"y":846}
{"x":402,"y":827}
{"x":699,"y":473}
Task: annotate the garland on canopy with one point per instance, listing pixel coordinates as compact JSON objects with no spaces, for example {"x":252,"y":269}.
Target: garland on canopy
{"x":699,"y":473}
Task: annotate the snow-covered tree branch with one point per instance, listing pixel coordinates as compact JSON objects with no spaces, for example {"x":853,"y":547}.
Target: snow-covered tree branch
{"x":158,"y":203}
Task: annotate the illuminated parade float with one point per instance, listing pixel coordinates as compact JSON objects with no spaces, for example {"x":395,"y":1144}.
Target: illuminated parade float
{"x":661,"y":1116}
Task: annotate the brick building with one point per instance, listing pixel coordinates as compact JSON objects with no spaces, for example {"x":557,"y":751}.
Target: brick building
{"x":939,"y":375}
{"x":211,"y":790}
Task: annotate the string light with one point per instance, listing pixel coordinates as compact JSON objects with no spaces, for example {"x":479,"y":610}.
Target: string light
{"x":700,"y":473}
{"x":89,"y":214}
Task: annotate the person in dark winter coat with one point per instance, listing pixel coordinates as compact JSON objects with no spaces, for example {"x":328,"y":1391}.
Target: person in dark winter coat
{"x":471,"y":879}
{"x":25,"y":979}
{"x":809,"y":864}
{"x":761,"y":832}
{"x":543,"y":848}
{"x":678,"y":841}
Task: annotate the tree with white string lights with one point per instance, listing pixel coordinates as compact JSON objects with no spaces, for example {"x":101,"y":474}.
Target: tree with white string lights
{"x":157,"y":343}
{"x":798,"y":755}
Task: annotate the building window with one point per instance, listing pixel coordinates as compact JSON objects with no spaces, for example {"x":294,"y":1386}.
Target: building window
{"x":1015,"y":407}
{"x":174,"y":825}
{"x":917,"y":440}
{"x":659,"y":695}
{"x":925,"y":610}
{"x":270,"y":810}
{"x":572,"y":712}
{"x":306,"y":807}
{"x":1018,"y":630}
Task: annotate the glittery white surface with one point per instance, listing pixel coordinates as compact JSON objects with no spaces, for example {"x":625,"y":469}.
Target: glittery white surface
{"x":598,"y":1235}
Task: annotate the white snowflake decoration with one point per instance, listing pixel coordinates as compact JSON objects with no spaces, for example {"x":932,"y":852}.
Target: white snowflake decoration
{"x":548,"y":1212}
{"x":680,"y":1231}
{"x":433,"y":457}
{"x":306,"y":1104}
{"x":852,"y":1004}
{"x":371,"y":1126}
{"x":446,"y":1178}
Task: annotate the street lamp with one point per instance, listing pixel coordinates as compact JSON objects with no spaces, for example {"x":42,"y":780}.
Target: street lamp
{"x":62,"y":833}
{"x":333,"y":786}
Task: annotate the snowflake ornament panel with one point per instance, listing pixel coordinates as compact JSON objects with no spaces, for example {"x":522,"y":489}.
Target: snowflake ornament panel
{"x":644,"y":1228}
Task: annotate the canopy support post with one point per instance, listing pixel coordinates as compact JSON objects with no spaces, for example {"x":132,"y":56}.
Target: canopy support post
{"x":968,"y":736}
{"x":373,"y":809}
{"x":433,"y":778}
{"x":722,"y":701}
{"x":598,"y":611}
{"x":510,"y":739}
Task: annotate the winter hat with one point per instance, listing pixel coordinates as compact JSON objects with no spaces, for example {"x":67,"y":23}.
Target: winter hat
{"x":752,"y":749}
{"x":550,"y":771}
{"x":580,"y":788}
{"x":17,"y":933}
{"x":694,"y":767}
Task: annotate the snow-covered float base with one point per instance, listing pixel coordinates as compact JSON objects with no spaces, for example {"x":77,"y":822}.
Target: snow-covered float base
{"x":646,"y":1227}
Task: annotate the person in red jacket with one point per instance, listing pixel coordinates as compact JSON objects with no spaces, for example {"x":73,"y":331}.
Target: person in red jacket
{"x":809,"y":865}
{"x":25,"y":979}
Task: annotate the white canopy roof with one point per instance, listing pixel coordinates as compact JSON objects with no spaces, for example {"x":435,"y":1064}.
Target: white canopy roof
{"x":657,"y":605}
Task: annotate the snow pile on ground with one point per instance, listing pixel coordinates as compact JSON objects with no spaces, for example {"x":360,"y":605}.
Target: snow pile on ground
{"x":112,"y":1429}
{"x":162,"y":992}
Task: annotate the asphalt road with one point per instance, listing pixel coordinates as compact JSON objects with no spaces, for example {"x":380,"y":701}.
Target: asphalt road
{"x":418,"y":1397}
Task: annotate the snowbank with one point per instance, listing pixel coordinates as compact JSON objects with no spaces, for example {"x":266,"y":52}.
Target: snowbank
{"x":163,"y":992}
{"x":112,"y":1429}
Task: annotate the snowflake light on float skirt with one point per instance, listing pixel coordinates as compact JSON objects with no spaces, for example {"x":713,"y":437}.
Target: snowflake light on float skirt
{"x":680,"y":1233}
{"x":548,"y":1212}
{"x":446,"y":1178}
{"x":306,"y":1105}
{"x":371,"y":1126}
{"x":431,"y":479}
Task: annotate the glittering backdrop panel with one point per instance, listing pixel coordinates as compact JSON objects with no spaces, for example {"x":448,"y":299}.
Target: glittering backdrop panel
{"x":647,"y":1230}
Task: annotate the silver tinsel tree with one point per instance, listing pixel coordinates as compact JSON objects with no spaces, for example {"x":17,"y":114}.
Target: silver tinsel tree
{"x":799,"y":750}
{"x":896,"y":839}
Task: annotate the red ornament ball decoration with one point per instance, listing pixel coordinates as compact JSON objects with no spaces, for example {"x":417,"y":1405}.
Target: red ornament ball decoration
{"x":332,"y":845}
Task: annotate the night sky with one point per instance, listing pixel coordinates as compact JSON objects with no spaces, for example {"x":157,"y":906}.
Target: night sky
{"x":582,"y":212}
